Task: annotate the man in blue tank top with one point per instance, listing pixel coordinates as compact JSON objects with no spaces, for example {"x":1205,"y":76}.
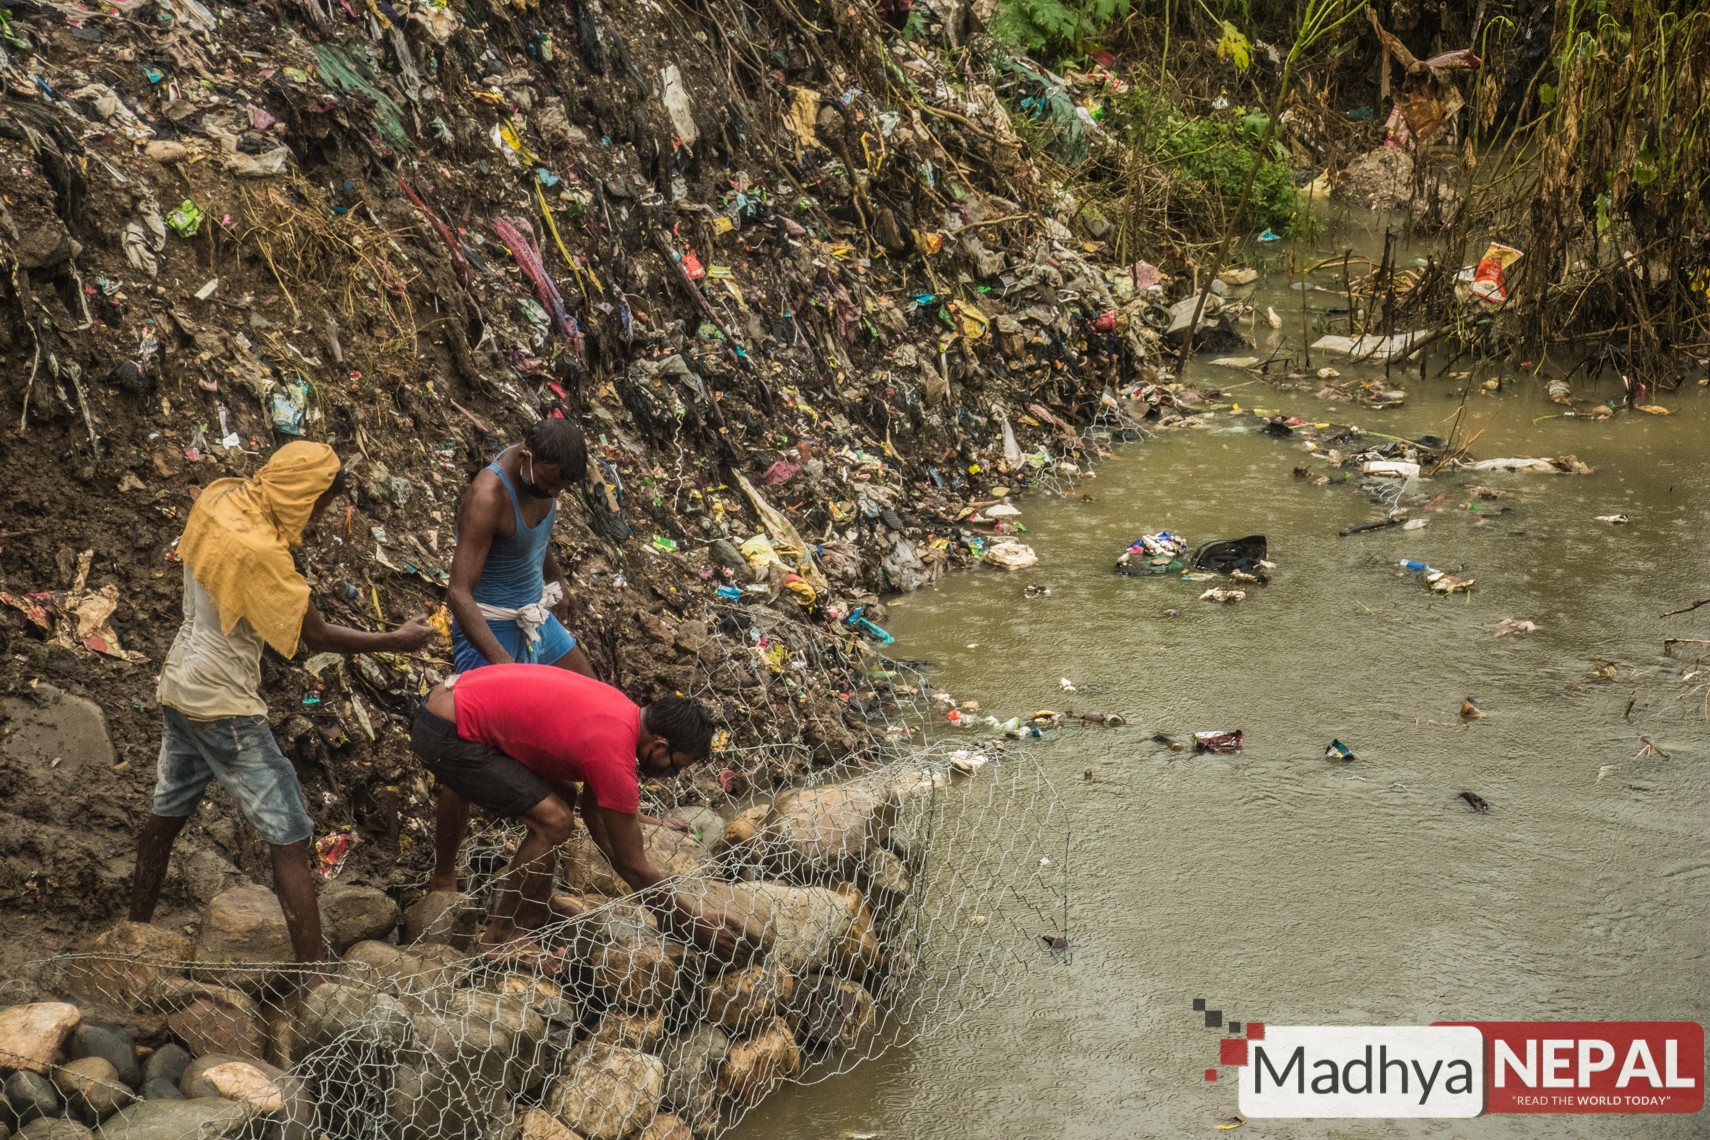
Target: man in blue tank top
{"x":508,"y":598}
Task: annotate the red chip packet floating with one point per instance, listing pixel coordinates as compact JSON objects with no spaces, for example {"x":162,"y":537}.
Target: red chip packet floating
{"x":1217,"y":741}
{"x":1490,"y":278}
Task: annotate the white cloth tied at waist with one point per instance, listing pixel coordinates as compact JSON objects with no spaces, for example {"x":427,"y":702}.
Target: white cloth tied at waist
{"x":530,"y":617}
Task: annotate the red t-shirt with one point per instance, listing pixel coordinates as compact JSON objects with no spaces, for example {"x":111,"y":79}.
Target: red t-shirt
{"x":557,"y":723}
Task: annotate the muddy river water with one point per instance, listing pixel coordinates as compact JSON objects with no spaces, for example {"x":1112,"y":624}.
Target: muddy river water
{"x":1287,"y":889}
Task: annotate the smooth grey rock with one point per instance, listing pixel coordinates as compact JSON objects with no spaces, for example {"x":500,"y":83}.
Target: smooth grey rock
{"x":29,"y":1096}
{"x":116,"y":1046}
{"x":161,"y":1089}
{"x":166,"y":1063}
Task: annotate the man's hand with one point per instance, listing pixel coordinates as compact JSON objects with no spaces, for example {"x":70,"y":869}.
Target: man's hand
{"x":414,"y":634}
{"x":718,"y":935}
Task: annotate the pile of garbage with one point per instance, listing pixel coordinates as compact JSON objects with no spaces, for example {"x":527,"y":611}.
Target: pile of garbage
{"x":822,"y":328}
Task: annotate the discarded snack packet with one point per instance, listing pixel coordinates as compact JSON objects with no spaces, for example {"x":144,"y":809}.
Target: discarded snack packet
{"x":1217,"y":741}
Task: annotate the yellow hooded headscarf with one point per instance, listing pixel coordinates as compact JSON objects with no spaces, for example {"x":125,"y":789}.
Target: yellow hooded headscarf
{"x":239,"y":539}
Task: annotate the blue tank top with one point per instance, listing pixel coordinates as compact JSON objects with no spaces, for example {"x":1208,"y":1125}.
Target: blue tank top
{"x":513,"y":575}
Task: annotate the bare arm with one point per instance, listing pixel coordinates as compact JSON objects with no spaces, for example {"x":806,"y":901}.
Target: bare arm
{"x":566,"y":608}
{"x":476,"y":524}
{"x":618,"y":835}
{"x":321,"y":636}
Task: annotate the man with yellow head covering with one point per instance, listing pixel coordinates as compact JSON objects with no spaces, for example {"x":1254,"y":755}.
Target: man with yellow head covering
{"x":242,"y":591}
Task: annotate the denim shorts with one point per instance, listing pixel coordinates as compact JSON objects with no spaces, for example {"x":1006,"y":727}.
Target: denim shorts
{"x":240,"y":752}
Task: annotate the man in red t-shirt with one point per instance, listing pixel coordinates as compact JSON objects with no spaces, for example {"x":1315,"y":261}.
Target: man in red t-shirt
{"x":516,"y":739}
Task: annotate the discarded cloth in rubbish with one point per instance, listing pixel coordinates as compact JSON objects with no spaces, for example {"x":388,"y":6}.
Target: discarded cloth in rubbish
{"x":1554,"y":465}
{"x":1153,"y":554}
{"x":1217,"y":741}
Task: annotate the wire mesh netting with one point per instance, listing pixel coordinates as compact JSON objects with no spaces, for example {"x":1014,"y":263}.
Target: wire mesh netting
{"x":879,"y":900}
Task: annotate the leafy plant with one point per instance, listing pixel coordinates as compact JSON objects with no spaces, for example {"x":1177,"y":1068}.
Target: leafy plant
{"x":1214,"y":158}
{"x":1036,"y":25}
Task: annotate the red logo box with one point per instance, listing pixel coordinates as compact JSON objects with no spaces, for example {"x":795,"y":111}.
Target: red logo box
{"x":1592,"y":1066}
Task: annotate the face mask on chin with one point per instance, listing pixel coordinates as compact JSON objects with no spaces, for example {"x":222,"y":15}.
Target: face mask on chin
{"x":529,"y":487}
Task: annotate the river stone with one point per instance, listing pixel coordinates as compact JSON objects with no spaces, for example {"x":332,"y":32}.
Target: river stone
{"x":814,"y":831}
{"x":28,"y":1095}
{"x":118,"y":1047}
{"x":254,"y":1084}
{"x":357,"y":1014}
{"x":161,"y":1089}
{"x":129,"y":966}
{"x":205,"y":1119}
{"x":739,"y":1000}
{"x":422,"y":967}
{"x":757,"y":1066}
{"x":635,"y":967}
{"x":352,"y":914}
{"x":245,"y":926}
{"x":91,"y":1086}
{"x":667,"y":1126}
{"x":809,"y":930}
{"x":606,"y":1093}
{"x":640,"y":1031}
{"x":745,"y":826}
{"x":217,"y":1019}
{"x":444,"y":917}
{"x":489,"y":1039}
{"x":833,"y":1012}
{"x":167,"y":1063}
{"x":538,"y":1124}
{"x":692,"y":1061}
{"x":30,"y":1035}
{"x":706,"y":826}
{"x":437,"y":1103}
{"x":60,"y":1129}
{"x":885,"y":880}
{"x":673,"y":853}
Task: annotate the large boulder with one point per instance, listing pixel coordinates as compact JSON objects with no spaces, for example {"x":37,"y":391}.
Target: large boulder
{"x":606,"y":1093}
{"x":130,"y":966}
{"x":667,"y":1126}
{"x":431,"y":1102}
{"x":832,"y":1012}
{"x":808,"y":930}
{"x":675,"y":854}
{"x":245,"y":926}
{"x":218,"y":1019}
{"x":61,"y":1129}
{"x":740,"y":1000}
{"x":692,"y":1064}
{"x":757,"y":1066}
{"x":538,"y":1124}
{"x":167,"y":1063}
{"x":30,"y":1035}
{"x":204,"y":1119}
{"x":352,"y":914}
{"x":91,"y":1086}
{"x":486,"y":1039}
{"x":444,"y":917}
{"x":418,"y":969}
{"x":635,"y":967}
{"x":344,"y":1014}
{"x":643,"y":1032}
{"x":815,"y":832}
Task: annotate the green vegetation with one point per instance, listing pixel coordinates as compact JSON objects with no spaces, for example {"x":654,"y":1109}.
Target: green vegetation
{"x":1038,"y":25}
{"x":1212,"y":158}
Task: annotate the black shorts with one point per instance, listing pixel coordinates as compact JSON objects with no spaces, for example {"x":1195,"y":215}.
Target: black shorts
{"x":479,"y":773}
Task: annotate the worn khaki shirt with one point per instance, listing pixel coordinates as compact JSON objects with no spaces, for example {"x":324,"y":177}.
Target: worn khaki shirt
{"x":209,"y":674}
